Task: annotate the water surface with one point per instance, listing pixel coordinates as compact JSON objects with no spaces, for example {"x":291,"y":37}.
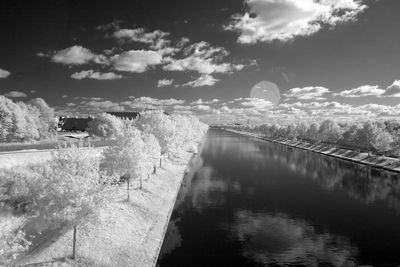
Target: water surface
{"x":248,"y":202}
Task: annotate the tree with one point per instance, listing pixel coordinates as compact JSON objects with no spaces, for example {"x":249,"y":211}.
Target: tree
{"x":366,"y":135}
{"x":73,"y":189}
{"x":21,"y":122}
{"x":106,"y":126}
{"x":162,"y":127}
{"x":12,"y":238}
{"x":312,"y":132}
{"x":350,"y":135}
{"x":382,"y":141}
{"x":127,"y":157}
{"x":152,"y":149}
{"x":302,"y":129}
{"x":46,"y":117}
{"x":329,"y":131}
{"x":291,"y":132}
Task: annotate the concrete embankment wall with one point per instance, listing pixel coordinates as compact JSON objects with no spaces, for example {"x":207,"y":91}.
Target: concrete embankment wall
{"x":385,"y":163}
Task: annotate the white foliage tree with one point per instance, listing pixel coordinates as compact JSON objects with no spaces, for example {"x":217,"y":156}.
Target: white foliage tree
{"x":127,"y":157}
{"x":21,"y":122}
{"x":153,"y":150}
{"x":46,"y":117}
{"x":162,"y":127}
{"x":105,"y":125}
{"x":12,"y":238}
{"x":74,"y":188}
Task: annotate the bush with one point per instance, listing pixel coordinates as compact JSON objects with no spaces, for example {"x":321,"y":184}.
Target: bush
{"x":106,"y":126}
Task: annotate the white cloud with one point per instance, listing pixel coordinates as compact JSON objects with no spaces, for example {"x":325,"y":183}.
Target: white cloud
{"x":91,"y":74}
{"x":393,"y":90}
{"x":202,"y":107}
{"x":106,"y":105}
{"x":136,"y":60}
{"x":77,"y":55}
{"x":202,"y":58}
{"x":156,"y":39}
{"x":282,"y":20}
{"x":256,"y":103}
{"x":365,"y":90}
{"x":149,"y":102}
{"x":203,"y":80}
{"x":307,"y":93}
{"x":205,"y":102}
{"x":15,"y":94}
{"x":164,"y":82}
{"x":4,"y":73}
{"x":112,"y":25}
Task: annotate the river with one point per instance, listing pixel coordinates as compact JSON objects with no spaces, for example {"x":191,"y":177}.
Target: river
{"x":248,"y":202}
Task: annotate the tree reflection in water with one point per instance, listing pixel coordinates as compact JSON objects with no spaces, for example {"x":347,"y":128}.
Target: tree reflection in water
{"x":269,"y":204}
{"x":361,"y":182}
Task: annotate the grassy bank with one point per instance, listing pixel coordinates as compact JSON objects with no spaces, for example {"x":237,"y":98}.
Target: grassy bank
{"x":53,"y":143}
{"x":128,"y":233}
{"x":377,"y":161}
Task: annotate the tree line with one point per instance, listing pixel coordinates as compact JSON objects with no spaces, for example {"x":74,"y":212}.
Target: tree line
{"x":70,"y":188}
{"x":381,"y":137}
{"x":21,"y":122}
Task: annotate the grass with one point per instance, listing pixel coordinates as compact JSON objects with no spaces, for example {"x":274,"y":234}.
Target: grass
{"x":64,"y":137}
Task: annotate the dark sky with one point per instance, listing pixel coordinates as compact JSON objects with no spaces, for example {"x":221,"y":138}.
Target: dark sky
{"x":338,"y":56}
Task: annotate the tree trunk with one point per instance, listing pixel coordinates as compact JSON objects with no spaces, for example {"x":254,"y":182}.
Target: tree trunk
{"x":127,"y":190}
{"x":154,"y":169}
{"x":160,"y":162}
{"x":140,"y":182}
{"x":74,"y":244}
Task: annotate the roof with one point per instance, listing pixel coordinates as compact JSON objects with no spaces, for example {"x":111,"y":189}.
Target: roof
{"x":125,"y":115}
{"x":76,"y":124}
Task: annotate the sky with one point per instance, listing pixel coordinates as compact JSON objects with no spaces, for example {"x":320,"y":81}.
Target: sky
{"x":329,"y":58}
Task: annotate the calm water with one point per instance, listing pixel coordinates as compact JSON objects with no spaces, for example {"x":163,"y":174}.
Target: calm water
{"x":248,"y":202}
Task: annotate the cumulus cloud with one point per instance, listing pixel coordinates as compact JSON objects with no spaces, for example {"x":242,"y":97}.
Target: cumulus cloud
{"x":106,"y":105}
{"x":136,"y":60}
{"x":202,"y":107}
{"x":15,"y":94}
{"x":164,"y":82}
{"x":269,"y":20}
{"x":256,"y":103}
{"x":203,"y":80}
{"x":205,"y":102}
{"x":91,"y":74}
{"x":393,"y":90}
{"x":365,"y":90}
{"x":202,"y":58}
{"x":156,"y":39}
{"x":4,"y":73}
{"x":307,"y":93}
{"x":112,"y":25}
{"x":77,"y":55}
{"x":149,"y":102}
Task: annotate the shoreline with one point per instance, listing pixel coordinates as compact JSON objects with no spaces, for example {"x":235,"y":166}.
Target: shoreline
{"x":378,"y":162}
{"x":128,"y":233}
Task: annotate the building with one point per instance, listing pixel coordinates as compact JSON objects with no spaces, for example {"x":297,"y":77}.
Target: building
{"x":75,"y":124}
{"x":125,"y":115}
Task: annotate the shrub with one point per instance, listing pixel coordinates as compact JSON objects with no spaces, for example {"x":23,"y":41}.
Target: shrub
{"x":106,"y":126}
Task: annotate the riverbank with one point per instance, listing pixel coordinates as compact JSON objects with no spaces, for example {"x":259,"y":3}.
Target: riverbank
{"x":376,"y":161}
{"x":128,"y":233}
{"x":21,"y":158}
